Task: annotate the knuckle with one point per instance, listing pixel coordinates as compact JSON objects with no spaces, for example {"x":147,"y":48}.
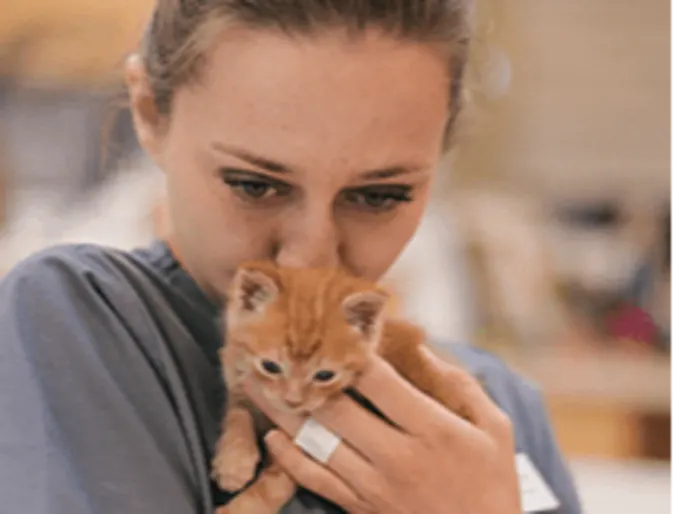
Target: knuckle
{"x":298,"y":468}
{"x":465,"y":382}
{"x":503,"y":424}
{"x":464,"y":385}
{"x":377,"y":493}
{"x":437,"y":432}
{"x":315,"y":481}
{"x":404,"y":454}
{"x":408,"y":463}
{"x":284,"y":455}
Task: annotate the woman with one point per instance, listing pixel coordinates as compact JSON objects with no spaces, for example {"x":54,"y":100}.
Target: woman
{"x":304,"y":132}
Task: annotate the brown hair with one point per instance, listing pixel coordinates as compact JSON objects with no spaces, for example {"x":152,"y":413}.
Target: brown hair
{"x":180,"y":32}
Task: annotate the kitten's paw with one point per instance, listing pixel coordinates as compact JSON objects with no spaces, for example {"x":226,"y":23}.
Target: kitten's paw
{"x":234,"y":468}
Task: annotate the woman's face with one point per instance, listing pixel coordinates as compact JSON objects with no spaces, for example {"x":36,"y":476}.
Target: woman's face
{"x":305,"y":151}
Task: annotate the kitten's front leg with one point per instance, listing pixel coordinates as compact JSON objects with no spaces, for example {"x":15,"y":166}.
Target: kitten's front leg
{"x":267,"y":495}
{"x":236,"y":452}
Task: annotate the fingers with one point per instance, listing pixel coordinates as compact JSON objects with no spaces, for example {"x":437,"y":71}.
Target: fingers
{"x":415,"y":411}
{"x":317,"y":478}
{"x":397,"y":399}
{"x":346,"y":462}
{"x":366,"y":433}
{"x":470,"y":395}
{"x":373,"y":438}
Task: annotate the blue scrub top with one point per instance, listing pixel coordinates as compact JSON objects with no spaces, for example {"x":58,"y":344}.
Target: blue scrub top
{"x":111,"y":395}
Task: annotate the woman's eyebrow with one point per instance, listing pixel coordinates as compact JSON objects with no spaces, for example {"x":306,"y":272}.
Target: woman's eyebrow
{"x":256,"y":160}
{"x":276,"y":167}
{"x":392,"y":171}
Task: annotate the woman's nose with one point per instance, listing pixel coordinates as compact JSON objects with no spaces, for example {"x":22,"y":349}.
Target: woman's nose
{"x":310,"y":242}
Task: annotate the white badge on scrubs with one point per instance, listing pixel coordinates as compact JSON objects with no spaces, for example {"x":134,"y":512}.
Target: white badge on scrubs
{"x":535,"y":493}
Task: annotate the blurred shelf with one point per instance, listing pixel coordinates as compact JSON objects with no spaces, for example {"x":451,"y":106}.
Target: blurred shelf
{"x":637,"y":382}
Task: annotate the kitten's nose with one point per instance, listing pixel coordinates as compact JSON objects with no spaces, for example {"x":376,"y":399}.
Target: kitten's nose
{"x":293,"y":396}
{"x":293,"y":403}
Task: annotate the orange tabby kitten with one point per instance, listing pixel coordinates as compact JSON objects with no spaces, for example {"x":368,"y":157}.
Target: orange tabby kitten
{"x":303,"y":336}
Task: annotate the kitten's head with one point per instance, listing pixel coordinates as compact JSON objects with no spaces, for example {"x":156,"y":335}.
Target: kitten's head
{"x":306,"y":334}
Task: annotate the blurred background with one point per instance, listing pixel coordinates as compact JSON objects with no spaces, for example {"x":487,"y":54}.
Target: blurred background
{"x":547,"y":242}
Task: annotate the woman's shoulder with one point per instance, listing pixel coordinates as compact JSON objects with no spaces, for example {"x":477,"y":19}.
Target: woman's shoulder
{"x":59,"y":271}
{"x":65,"y":260}
{"x":82,"y":269}
{"x":497,"y":376}
{"x":89,"y":343}
{"x":94,"y":294}
{"x":77,"y":288}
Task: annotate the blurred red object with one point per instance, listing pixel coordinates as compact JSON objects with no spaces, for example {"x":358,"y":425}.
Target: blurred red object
{"x":629,"y":322}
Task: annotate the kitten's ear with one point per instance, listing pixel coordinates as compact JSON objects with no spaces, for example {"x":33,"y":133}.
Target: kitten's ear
{"x":252,"y":290}
{"x":364,"y":311}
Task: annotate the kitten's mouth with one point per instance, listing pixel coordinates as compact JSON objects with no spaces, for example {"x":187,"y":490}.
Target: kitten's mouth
{"x":296,"y":410}
{"x":283,"y":406}
{"x":303,"y":409}
{"x":292,"y":409}
{"x":306,"y":408}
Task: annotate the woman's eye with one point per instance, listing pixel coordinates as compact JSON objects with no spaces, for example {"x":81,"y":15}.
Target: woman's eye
{"x":271,"y":367}
{"x":324,"y":375}
{"x":250,"y":187}
{"x":253,"y":190}
{"x":256,"y":189}
{"x":380,"y":198}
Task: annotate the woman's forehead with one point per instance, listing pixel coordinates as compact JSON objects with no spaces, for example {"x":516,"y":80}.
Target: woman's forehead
{"x":297,"y":95}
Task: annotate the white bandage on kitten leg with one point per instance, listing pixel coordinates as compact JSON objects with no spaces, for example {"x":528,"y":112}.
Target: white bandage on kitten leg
{"x":317,"y":440}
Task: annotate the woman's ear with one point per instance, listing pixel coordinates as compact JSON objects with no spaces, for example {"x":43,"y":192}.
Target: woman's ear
{"x":146,"y":118}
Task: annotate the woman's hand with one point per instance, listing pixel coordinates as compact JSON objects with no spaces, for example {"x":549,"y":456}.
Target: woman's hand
{"x":435,"y":463}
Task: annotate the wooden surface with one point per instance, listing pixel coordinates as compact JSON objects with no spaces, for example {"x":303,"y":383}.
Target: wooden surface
{"x":586,"y":428}
{"x":603,"y":404}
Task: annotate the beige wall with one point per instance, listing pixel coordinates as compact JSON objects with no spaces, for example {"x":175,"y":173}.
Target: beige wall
{"x":69,"y":41}
{"x":588,"y":110}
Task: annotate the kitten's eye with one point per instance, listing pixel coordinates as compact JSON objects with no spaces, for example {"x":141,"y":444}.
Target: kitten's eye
{"x":271,"y":367}
{"x":324,"y":375}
